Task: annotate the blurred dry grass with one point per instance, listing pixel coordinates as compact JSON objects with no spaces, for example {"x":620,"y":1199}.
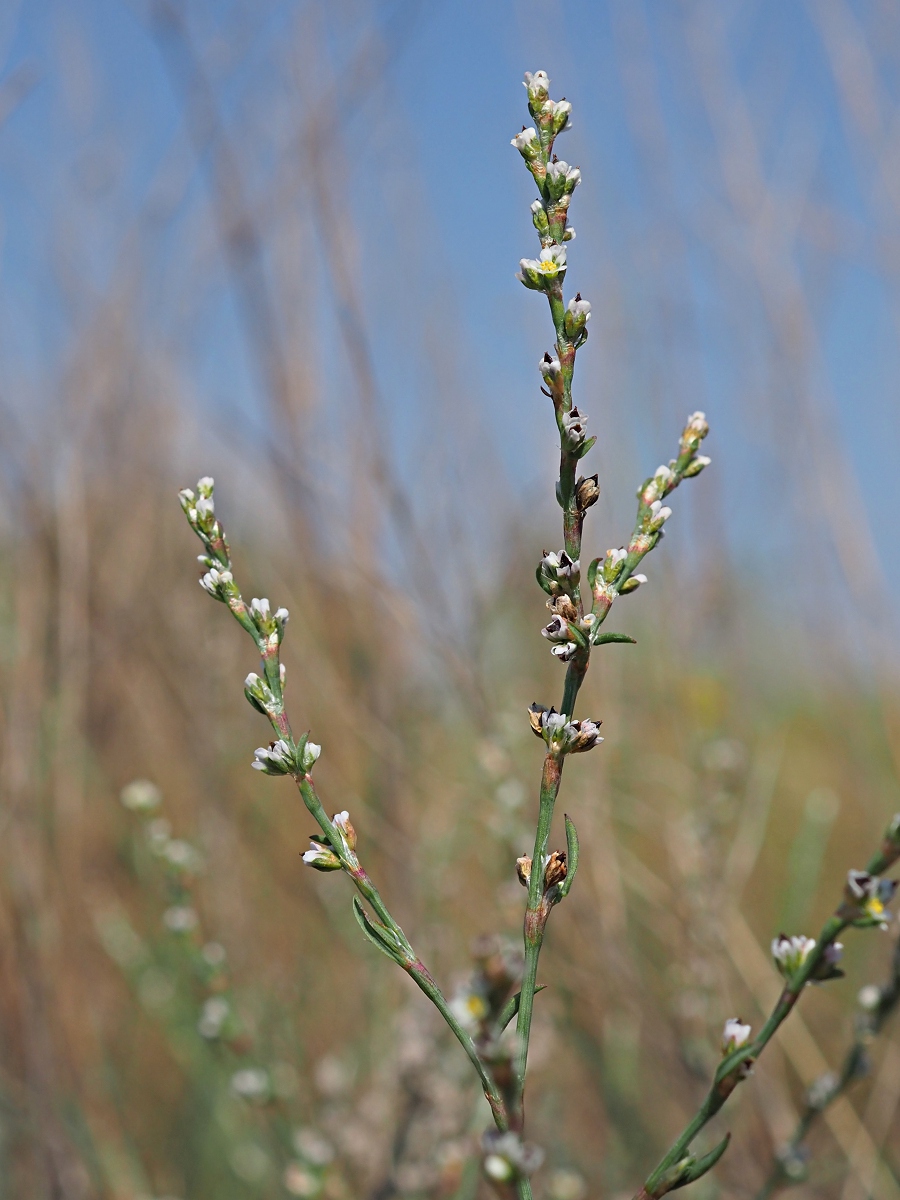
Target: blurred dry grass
{"x":731,"y":794}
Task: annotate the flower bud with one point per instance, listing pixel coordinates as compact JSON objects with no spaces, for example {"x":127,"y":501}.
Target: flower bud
{"x":790,"y":953}
{"x":552,"y":373}
{"x":695,"y":467}
{"x":561,"y":179}
{"x":555,"y":870}
{"x":523,"y":868}
{"x":631,"y":584}
{"x":558,"y":573}
{"x":560,"y":115}
{"x":573,"y":432}
{"x":539,"y":218}
{"x":321,"y":856}
{"x":734,"y":1035}
{"x":275,"y":759}
{"x":578,"y":313}
{"x":657,"y":516}
{"x":219,"y":584}
{"x":695,"y":431}
{"x":562,"y":606}
{"x":869,"y":997}
{"x":309,"y":755}
{"x":538,"y":88}
{"x":587,"y":491}
{"x":140,"y":796}
{"x":345,"y":830}
{"x":527,"y":143}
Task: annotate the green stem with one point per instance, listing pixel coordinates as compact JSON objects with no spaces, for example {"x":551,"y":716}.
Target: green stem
{"x":415,"y":967}
{"x":723,"y":1085}
{"x":423,"y":978}
{"x":535,"y":914}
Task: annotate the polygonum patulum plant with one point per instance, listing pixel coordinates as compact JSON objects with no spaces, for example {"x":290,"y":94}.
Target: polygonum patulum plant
{"x":579,"y":602}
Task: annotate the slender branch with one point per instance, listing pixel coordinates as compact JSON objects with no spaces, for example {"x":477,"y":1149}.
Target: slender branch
{"x":802,"y":961}
{"x":876,"y":1006}
{"x":288,"y":755}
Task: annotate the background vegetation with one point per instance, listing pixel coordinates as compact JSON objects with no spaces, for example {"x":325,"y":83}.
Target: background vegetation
{"x":219,"y":303}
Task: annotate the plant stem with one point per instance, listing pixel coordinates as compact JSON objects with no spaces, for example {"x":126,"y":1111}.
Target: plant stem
{"x":535,"y":914}
{"x":411,"y":961}
{"x":723,"y":1086}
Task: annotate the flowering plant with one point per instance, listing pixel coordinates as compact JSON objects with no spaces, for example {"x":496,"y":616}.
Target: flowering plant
{"x":579,"y":604}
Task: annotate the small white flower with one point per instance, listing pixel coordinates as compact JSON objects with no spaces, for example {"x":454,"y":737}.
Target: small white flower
{"x":311,"y":754}
{"x":695,"y":430}
{"x":298,"y":1180}
{"x":562,"y":115}
{"x":311,"y":1145}
{"x":579,"y":308}
{"x":214,"y":954}
{"x":566,"y":652}
{"x":734,"y":1035}
{"x":550,"y":369}
{"x":536,"y":272}
{"x":260,"y":608}
{"x":821,"y":1091}
{"x":141,"y":796}
{"x":205,"y":507}
{"x":790,"y":953}
{"x":217,"y":582}
{"x":181,"y":854}
{"x":158,"y":834}
{"x":498,"y":1168}
{"x":561,"y":178}
{"x":180,"y":918}
{"x":869,"y":997}
{"x":342,"y":823}
{"x":212,"y":1017}
{"x":658,"y":515}
{"x":527,"y":142}
{"x":321,"y":856}
{"x":556,"y":631}
{"x":537,"y":85}
{"x":206,"y":485}
{"x":252,"y":1083}
{"x":275,"y":759}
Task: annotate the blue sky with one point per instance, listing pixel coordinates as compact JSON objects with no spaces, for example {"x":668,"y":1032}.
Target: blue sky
{"x":681,"y":111}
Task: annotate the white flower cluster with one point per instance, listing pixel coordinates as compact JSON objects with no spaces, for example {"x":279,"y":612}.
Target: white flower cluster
{"x":561,"y":734}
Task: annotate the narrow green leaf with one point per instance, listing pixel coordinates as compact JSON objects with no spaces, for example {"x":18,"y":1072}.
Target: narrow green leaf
{"x":700,"y":1166}
{"x":602,"y":638}
{"x":511,"y":1007}
{"x":377,"y":933}
{"x":571,"y":857}
{"x":592,"y":573}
